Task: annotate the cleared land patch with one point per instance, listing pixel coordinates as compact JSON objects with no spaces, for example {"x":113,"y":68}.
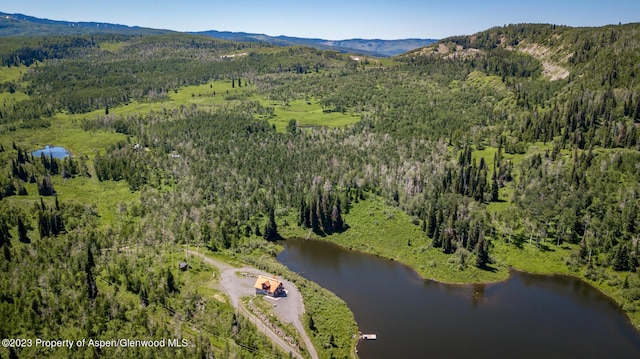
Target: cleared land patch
{"x":309,"y":114}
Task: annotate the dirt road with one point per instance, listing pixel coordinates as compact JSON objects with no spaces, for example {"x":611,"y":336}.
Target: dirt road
{"x":238,"y":283}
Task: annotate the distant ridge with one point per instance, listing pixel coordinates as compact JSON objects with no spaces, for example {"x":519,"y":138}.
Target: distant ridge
{"x":373,"y":47}
{"x":24,"y":25}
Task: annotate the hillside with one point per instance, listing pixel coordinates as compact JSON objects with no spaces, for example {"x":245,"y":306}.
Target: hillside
{"x":381,"y":48}
{"x":561,"y":50}
{"x":23,"y":25}
{"x":514,"y":147}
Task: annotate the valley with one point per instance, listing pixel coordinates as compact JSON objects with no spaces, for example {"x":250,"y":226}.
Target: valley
{"x":514,"y":148}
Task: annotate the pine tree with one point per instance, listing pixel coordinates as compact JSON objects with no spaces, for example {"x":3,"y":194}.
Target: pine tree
{"x":482,"y":255}
{"x":313,"y":216}
{"x":621,"y":258}
{"x":337,"y":224}
{"x":90,"y":260}
{"x":303,"y":215}
{"x":7,"y":253}
{"x":171,"y":283}
{"x":494,"y":186}
{"x":226,"y":241}
{"x":22,"y":231}
{"x":92,"y":288}
{"x":45,"y":188}
{"x":271,"y":229}
{"x":312,"y":324}
{"x":144,"y":297}
{"x":5,"y":236}
{"x":22,"y":191}
{"x":431,"y":229}
{"x":43,"y":225}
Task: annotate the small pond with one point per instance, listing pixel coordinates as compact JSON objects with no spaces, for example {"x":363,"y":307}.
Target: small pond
{"x":527,"y":316}
{"x":52,"y":151}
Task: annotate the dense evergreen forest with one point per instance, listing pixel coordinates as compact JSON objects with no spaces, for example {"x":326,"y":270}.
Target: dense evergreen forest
{"x":519,"y":139}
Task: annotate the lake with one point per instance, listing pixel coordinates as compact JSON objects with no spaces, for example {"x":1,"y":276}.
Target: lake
{"x":55,"y":151}
{"x":527,"y":316}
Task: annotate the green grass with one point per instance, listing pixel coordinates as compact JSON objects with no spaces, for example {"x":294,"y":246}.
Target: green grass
{"x":112,"y":46}
{"x":309,"y":114}
{"x":14,"y":73}
{"x":65,"y":132}
{"x":386,"y":231}
{"x":531,"y":259}
{"x":103,"y":197}
{"x":11,"y":98}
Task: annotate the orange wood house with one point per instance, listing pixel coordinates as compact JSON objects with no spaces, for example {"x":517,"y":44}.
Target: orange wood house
{"x":269,"y":286}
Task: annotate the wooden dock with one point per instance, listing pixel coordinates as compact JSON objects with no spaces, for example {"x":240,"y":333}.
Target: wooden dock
{"x":369,"y":337}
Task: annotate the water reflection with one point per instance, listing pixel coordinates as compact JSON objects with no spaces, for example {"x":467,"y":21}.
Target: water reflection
{"x":528,"y":316}
{"x":478,"y":293}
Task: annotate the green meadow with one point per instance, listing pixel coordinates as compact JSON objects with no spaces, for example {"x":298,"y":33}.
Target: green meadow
{"x":309,"y":114}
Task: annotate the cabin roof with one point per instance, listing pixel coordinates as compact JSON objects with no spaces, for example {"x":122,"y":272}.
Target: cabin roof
{"x":270,"y":283}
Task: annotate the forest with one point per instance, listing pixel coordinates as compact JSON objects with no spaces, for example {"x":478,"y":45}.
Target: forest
{"x":516,"y":146}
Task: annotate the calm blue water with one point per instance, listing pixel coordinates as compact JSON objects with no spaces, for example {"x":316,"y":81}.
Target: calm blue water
{"x":55,"y":151}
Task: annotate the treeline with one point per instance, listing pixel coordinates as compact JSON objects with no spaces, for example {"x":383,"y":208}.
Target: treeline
{"x":143,"y":68}
{"x":27,"y":51}
{"x":322,"y":212}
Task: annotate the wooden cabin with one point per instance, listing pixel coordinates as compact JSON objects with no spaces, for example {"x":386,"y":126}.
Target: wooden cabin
{"x":269,"y":286}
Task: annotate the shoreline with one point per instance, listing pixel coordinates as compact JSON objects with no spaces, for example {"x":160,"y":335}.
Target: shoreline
{"x":464,"y":283}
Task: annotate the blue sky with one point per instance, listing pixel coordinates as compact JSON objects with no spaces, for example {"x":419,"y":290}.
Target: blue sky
{"x":330,"y":19}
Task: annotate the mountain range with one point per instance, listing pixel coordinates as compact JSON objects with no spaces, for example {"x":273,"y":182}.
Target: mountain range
{"x":24,"y":25}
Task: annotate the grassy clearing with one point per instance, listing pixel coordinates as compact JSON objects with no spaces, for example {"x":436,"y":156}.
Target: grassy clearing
{"x":65,"y":132}
{"x":309,"y":114}
{"x":7,"y":99}
{"x":104,"y":197}
{"x":112,"y":46}
{"x":531,"y":259}
{"x":388,"y":232}
{"x":211,"y":93}
{"x":14,"y":73}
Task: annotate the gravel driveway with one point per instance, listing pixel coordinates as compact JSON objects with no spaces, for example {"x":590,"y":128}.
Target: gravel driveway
{"x":238,"y":283}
